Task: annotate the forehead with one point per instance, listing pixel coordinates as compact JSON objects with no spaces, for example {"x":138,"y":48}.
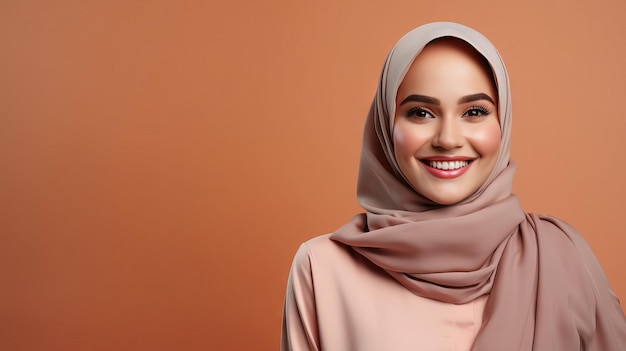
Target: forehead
{"x":449,"y":64}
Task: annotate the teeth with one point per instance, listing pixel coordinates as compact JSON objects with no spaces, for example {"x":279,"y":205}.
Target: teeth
{"x":445,"y":165}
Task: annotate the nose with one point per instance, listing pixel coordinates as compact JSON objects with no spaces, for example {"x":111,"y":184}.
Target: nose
{"x":448,"y":135}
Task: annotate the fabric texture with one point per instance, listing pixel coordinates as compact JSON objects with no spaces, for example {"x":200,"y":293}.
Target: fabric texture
{"x":546,"y":289}
{"x":338,"y":300}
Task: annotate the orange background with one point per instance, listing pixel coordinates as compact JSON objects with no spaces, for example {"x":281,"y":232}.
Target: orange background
{"x":160,"y":162}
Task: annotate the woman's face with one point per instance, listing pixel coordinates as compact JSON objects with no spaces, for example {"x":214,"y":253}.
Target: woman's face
{"x":446,"y":132}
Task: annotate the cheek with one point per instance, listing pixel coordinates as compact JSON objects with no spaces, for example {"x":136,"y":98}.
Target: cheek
{"x":486,"y":140}
{"x":406,"y":140}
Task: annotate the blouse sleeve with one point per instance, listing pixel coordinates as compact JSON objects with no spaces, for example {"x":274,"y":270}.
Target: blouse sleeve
{"x":299,"y":328}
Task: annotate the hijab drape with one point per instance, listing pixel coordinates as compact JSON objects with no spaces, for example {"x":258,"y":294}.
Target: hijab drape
{"x":546,"y":289}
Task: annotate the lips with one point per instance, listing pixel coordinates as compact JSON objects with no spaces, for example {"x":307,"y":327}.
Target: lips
{"x":447,"y":167}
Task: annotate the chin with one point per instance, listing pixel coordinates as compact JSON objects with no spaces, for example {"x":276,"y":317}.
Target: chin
{"x":444,"y":199}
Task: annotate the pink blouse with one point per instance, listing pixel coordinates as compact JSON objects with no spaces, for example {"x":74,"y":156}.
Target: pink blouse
{"x":337,"y":300}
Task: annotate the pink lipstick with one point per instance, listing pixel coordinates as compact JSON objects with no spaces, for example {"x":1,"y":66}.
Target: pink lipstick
{"x":447,"y":167}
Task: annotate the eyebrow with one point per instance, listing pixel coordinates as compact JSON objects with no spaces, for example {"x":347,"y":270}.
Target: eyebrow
{"x":476,"y":97}
{"x":421,"y":98}
{"x":435,"y":101}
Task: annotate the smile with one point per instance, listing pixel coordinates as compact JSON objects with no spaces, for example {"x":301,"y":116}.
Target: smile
{"x":445,"y":169}
{"x":448,"y":165}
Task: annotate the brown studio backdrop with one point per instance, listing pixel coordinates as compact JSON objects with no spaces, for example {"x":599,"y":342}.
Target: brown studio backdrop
{"x":161,"y":161}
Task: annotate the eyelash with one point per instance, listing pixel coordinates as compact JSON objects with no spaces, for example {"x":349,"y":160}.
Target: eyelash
{"x":412,"y":113}
{"x":481,"y":110}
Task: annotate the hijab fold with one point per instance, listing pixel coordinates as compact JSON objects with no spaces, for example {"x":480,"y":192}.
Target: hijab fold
{"x":546,"y":288}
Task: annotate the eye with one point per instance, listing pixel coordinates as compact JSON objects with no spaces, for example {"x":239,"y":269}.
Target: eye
{"x":476,"y":112}
{"x":419,"y":113}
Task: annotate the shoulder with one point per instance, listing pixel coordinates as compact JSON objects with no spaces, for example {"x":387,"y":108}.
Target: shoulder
{"x":323,"y":245}
{"x":560,"y":237}
{"x":555,"y":231}
{"x":550,"y":224}
{"x":334,"y":265}
{"x":322,"y":251}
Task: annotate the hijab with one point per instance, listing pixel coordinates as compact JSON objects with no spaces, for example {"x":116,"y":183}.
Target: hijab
{"x":546,"y":288}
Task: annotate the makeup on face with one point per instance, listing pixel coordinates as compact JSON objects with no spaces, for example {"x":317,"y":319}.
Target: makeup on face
{"x":446,"y":132}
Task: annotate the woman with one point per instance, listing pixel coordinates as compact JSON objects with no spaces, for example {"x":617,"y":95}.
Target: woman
{"x":444,"y":258}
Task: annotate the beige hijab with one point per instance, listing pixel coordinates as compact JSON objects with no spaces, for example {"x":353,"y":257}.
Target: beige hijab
{"x":547,"y":290}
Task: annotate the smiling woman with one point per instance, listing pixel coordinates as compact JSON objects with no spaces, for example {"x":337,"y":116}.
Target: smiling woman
{"x":444,"y":257}
{"x":446,"y":134}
